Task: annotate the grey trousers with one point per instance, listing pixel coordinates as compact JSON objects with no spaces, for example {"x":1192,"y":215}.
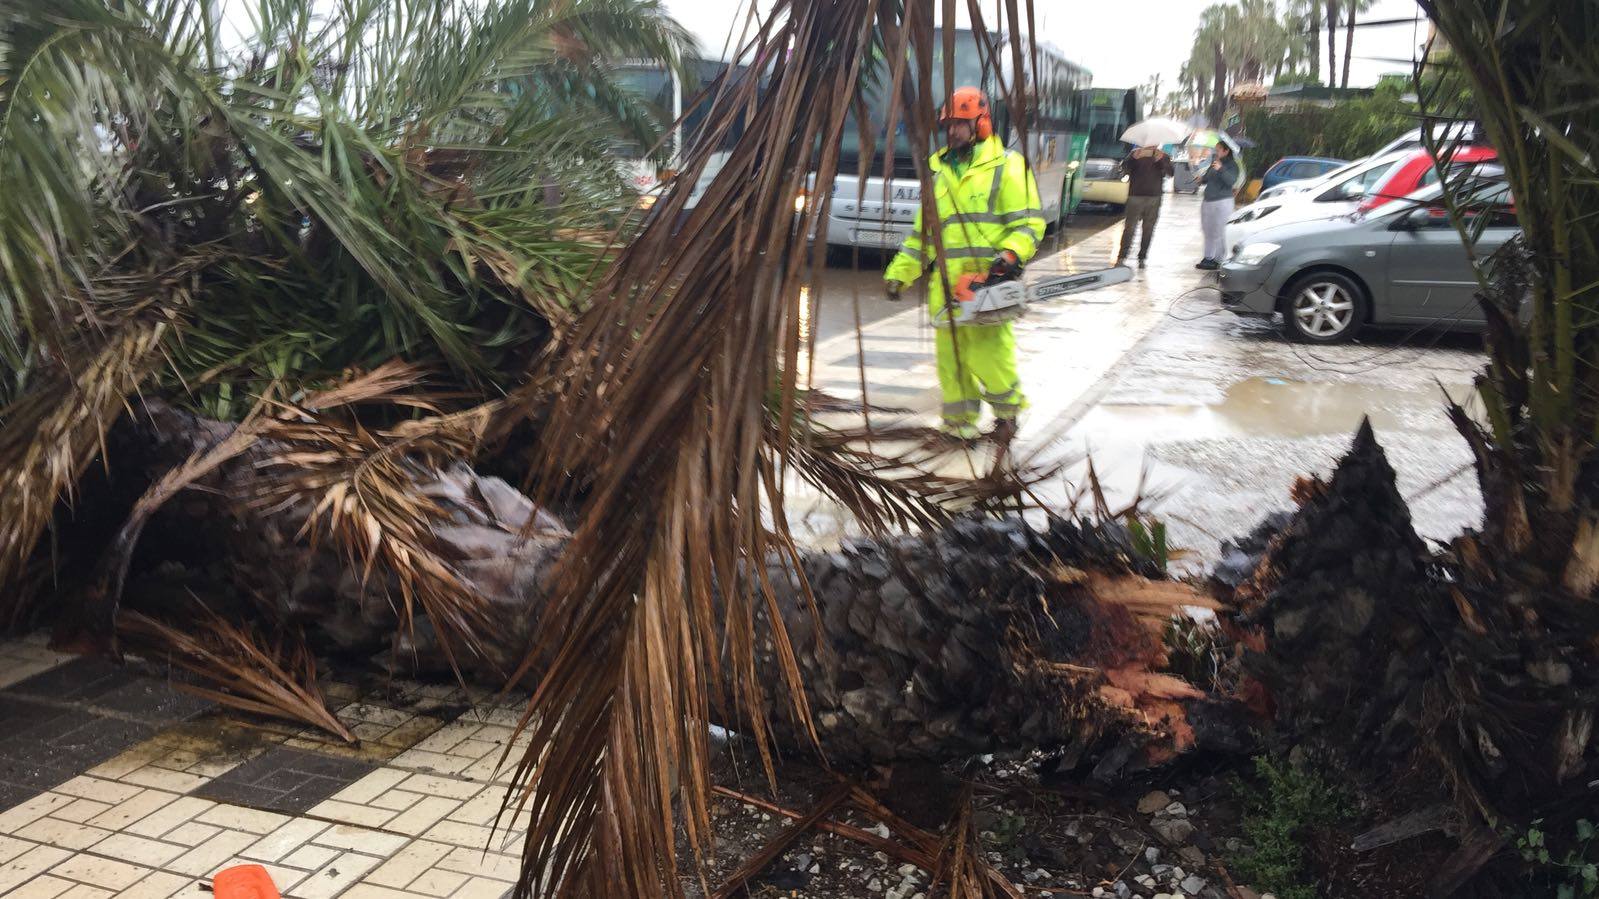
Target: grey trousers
{"x":1213,"y":216}
{"x":1140,"y":210}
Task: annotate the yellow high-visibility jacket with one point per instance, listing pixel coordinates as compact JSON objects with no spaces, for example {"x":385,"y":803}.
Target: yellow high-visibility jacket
{"x":993,"y":206}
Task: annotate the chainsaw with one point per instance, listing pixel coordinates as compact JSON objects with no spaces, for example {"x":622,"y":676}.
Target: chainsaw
{"x":986,"y":301}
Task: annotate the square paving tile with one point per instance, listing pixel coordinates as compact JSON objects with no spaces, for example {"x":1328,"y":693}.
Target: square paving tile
{"x":78,"y":680}
{"x":285,"y":780}
{"x":117,"y":690}
{"x":44,"y":745}
{"x":153,"y":701}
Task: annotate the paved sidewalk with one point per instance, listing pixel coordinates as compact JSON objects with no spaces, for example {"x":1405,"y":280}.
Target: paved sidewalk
{"x":112,"y":783}
{"x":1065,"y":347}
{"x":1068,"y":351}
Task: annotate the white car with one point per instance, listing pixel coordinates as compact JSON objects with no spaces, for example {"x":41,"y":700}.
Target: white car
{"x":1444,"y":133}
{"x":1335,"y":194}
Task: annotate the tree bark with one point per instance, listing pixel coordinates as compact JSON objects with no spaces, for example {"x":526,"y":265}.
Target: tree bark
{"x":1315,"y":40}
{"x":1332,"y":45}
{"x":1218,"y":96}
{"x":987,"y":637}
{"x":1349,"y":39}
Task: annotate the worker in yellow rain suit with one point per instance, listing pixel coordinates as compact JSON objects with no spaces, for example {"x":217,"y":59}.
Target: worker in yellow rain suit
{"x":990,"y":219}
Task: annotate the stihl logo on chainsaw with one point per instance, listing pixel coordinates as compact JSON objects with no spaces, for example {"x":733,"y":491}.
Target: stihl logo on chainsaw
{"x":985,"y":302}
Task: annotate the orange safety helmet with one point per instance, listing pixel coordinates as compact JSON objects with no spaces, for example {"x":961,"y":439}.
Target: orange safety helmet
{"x":970,"y":104}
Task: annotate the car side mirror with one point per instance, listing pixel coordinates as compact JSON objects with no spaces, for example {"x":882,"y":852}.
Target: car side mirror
{"x":1418,"y":218}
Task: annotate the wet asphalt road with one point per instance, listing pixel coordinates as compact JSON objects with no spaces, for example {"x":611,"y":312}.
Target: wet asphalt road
{"x":1208,"y":416}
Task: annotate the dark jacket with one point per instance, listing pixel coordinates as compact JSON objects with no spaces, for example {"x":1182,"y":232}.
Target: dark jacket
{"x":1223,"y":183}
{"x":1146,"y":175}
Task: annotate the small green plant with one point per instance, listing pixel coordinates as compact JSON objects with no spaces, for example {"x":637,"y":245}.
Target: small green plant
{"x":1196,"y":651}
{"x":1573,"y":874}
{"x":1149,"y":540}
{"x":1286,"y":802}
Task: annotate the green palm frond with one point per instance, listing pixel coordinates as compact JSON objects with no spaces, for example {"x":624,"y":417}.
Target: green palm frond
{"x":1527,"y":72}
{"x":349,"y":183}
{"x":339,"y":155}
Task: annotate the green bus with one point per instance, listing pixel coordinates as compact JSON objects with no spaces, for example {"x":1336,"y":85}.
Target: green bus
{"x":1105,"y":113}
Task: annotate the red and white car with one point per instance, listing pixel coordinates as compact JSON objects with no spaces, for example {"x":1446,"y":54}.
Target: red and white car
{"x":1363,"y":187}
{"x":1419,"y":171}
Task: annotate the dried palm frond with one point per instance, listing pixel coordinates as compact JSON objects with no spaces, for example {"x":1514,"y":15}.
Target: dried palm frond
{"x":390,"y":385}
{"x":669,"y":382}
{"x":961,"y":868}
{"x":363,"y":489}
{"x":51,"y":435}
{"x":276,"y":678}
{"x":956,"y":857}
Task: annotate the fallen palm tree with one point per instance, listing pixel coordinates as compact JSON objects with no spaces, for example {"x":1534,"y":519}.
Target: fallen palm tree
{"x":980,"y":636}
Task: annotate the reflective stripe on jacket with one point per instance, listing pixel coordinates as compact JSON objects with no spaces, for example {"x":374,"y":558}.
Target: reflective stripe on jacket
{"x":992,"y":206}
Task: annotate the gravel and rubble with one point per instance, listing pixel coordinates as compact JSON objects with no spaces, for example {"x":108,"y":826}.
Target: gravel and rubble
{"x":1048,"y":839}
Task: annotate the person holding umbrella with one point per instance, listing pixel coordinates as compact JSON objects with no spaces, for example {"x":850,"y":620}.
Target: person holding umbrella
{"x":1221,"y":181}
{"x":1147,"y":169}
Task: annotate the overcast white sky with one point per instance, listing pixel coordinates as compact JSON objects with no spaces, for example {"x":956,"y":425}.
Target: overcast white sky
{"x":1123,"y":42}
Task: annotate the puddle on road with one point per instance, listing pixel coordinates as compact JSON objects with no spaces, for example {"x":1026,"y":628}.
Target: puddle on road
{"x":1274,"y":407}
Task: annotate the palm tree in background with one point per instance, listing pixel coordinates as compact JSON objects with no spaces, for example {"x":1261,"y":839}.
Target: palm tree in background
{"x":1239,"y":43}
{"x":1214,"y":53}
{"x":1263,"y":43}
{"x":1310,"y":37}
{"x":1332,"y":42}
{"x":1301,"y":34}
{"x":1194,"y":82}
{"x":1355,"y":7}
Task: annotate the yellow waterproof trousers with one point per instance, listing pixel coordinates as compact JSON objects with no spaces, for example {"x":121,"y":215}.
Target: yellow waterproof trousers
{"x":977,"y":364}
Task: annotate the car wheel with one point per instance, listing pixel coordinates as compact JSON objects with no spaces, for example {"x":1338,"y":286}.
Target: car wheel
{"x":1325,"y":307}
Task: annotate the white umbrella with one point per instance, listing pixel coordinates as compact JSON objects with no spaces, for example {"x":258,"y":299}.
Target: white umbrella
{"x":1156,"y":132}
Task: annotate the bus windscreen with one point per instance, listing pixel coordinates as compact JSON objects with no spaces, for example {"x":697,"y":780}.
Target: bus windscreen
{"x":969,"y":70}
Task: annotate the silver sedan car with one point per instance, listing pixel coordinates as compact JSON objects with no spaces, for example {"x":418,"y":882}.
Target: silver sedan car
{"x":1403,"y":266}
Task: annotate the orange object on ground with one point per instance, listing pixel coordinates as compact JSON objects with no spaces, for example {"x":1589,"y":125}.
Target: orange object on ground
{"x":244,"y":882}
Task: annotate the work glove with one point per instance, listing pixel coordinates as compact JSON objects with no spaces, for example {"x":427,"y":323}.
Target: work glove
{"x":1005,"y":265}
{"x":892,"y":290}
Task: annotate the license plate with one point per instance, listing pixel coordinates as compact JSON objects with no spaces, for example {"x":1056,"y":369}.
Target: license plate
{"x":878,"y":238}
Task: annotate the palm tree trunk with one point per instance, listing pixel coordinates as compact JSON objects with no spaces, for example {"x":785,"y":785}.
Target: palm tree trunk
{"x":1314,"y":41}
{"x":1332,"y":43}
{"x":1349,"y":40}
{"x":913,"y":651}
{"x":1218,"y":97}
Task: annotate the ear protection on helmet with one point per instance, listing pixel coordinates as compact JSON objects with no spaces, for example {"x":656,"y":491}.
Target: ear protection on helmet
{"x":970,"y":104}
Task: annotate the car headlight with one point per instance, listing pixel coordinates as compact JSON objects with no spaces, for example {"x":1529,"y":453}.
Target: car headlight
{"x":800,"y":199}
{"x":1126,"y":178}
{"x":1255,"y":253}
